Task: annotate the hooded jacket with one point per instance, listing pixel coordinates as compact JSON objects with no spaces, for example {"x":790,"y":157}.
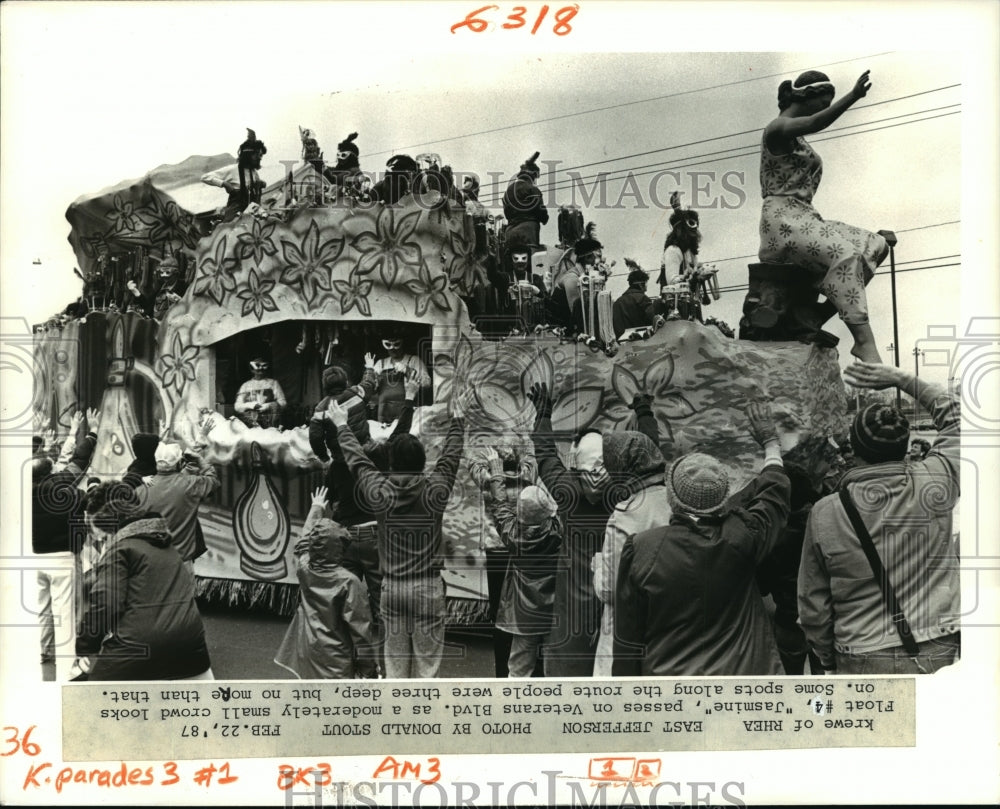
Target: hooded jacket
{"x":330,"y":635}
{"x":409,"y":507}
{"x":142,"y":622}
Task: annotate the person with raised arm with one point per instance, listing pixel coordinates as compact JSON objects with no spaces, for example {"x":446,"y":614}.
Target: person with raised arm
{"x":841,"y":258}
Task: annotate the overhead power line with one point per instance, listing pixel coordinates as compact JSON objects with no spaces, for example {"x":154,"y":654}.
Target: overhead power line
{"x":578,"y":113}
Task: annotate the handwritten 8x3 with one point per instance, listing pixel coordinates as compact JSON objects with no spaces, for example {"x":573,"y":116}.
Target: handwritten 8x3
{"x":43,"y":774}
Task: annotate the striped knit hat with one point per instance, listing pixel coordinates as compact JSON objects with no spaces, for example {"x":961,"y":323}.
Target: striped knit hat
{"x":880,"y":433}
{"x":697,"y":484}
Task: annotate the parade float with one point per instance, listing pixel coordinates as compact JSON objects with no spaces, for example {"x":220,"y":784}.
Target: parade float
{"x":308,"y":282}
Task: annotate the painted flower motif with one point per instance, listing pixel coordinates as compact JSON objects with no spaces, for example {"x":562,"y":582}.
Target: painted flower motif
{"x":785,"y":230}
{"x":429,"y":290}
{"x":656,"y":381}
{"x":390,"y":246}
{"x":217,"y":274}
{"x":167,"y":222}
{"x":834,"y":251}
{"x":354,"y":293}
{"x":309,"y":265}
{"x":852,"y":296}
{"x":813,"y":249}
{"x":826,"y":231}
{"x":257,"y":243}
{"x":123,"y":216}
{"x":177,"y":368}
{"x":465,"y":271}
{"x":806,"y":228}
{"x":575,"y":409}
{"x":256,"y":296}
{"x":448,"y":366}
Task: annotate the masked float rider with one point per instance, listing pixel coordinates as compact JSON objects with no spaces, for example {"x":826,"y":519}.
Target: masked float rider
{"x":260,"y":400}
{"x":390,"y":375}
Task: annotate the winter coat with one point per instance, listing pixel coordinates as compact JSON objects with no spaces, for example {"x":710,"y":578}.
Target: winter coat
{"x":907,"y":508}
{"x":687,"y":593}
{"x":528,"y":593}
{"x":330,"y":635}
{"x":176,"y":496}
{"x":143,"y":600}
{"x":572,"y":642}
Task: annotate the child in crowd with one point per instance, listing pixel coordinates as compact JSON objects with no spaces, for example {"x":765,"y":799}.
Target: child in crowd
{"x":330,"y":637}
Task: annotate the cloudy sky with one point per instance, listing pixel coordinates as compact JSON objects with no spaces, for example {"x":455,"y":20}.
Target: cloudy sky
{"x":99,"y":94}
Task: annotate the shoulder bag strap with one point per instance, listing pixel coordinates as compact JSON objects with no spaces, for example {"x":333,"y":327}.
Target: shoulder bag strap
{"x":888,"y":594}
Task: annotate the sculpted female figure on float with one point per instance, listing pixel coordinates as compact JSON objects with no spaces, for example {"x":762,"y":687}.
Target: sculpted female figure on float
{"x":842,"y":258}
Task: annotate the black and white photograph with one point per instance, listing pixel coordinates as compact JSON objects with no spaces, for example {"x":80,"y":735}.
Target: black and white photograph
{"x":548,"y":353}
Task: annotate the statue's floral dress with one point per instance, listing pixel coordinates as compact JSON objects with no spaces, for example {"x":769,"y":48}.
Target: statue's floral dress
{"x":842,"y":257}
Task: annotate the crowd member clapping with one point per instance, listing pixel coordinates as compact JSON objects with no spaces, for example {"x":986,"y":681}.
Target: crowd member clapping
{"x":687,"y":602}
{"x":330,"y":636}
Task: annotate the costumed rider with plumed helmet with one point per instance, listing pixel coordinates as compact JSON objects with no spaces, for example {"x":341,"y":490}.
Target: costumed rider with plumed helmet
{"x":523,"y":206}
{"x":682,"y":278}
{"x":346,"y":173}
{"x":398,"y":180}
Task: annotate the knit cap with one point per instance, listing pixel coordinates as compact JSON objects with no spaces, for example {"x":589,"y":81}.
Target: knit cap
{"x":697,"y":484}
{"x":535,"y":506}
{"x":168,"y":457}
{"x":880,"y":433}
{"x":144,"y":446}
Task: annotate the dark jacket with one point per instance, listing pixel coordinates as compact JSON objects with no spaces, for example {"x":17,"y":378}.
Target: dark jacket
{"x":144,"y":446}
{"x":572,"y":643}
{"x":347,"y":507}
{"x":57,"y":505}
{"x":144,"y":601}
{"x":523,"y":202}
{"x":687,"y":593}
{"x":409,"y":508}
{"x":634,"y":308}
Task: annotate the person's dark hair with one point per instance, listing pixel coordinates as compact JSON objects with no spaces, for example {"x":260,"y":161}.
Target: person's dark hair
{"x":789,"y":93}
{"x":36,"y":443}
{"x":41,"y":467}
{"x":406,"y":454}
{"x":335,"y":381}
{"x":111,"y":505}
{"x":638,"y":277}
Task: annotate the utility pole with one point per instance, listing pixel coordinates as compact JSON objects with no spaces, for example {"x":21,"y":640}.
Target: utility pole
{"x":917,"y":353}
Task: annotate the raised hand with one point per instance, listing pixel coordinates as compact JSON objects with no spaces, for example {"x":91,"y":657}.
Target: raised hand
{"x":337,"y":413}
{"x":319,"y":496}
{"x":541,"y":399}
{"x":369,"y":360}
{"x":862,"y":85}
{"x":874,"y":375}
{"x":93,"y":419}
{"x":493,"y":462}
{"x":761,"y":420}
{"x":411,"y":385}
